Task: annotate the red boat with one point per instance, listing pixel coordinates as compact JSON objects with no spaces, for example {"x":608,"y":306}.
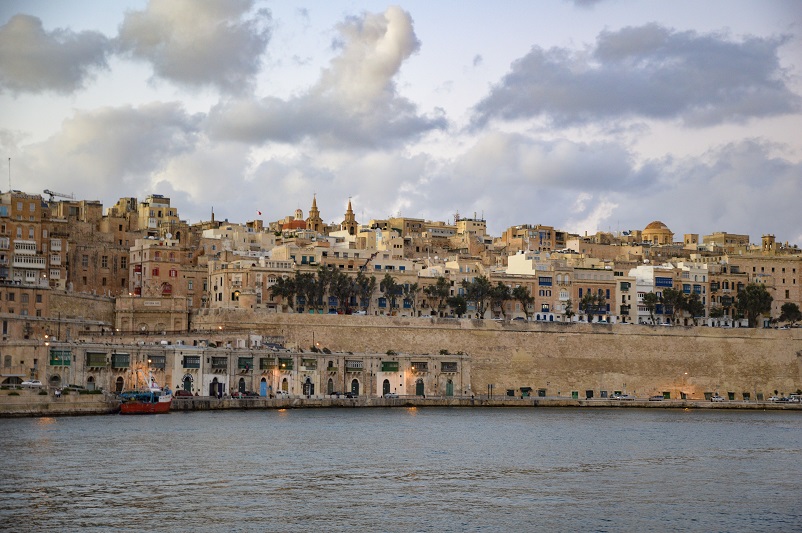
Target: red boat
{"x":146,"y":401}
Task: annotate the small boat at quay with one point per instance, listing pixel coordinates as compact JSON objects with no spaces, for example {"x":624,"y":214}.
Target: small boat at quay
{"x":148,"y":400}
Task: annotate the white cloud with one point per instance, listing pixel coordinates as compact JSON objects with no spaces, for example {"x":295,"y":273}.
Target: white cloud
{"x":108,"y":151}
{"x":34,"y":60}
{"x":199,"y":43}
{"x":355,"y":102}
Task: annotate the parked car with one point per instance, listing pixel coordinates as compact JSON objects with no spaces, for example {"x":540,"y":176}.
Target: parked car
{"x":774,"y":399}
{"x":250,"y":394}
{"x":520,"y":318}
{"x":282,"y":394}
{"x":181,"y":393}
{"x":626,"y":397}
{"x":716,"y":398}
{"x":391,"y":395}
{"x":33,"y":384}
{"x":351,"y":395}
{"x":656,"y":398}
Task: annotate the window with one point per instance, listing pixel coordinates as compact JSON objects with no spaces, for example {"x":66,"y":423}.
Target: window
{"x":10,"y":296}
{"x":173,"y":273}
{"x":38,"y":298}
{"x":104,"y":261}
{"x":85,"y":261}
{"x":30,"y":232}
{"x":190,"y":284}
{"x":155,"y":271}
{"x":24,"y":298}
{"x":123,"y":262}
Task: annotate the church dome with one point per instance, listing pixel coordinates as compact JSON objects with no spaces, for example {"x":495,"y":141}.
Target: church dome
{"x":656,"y":225}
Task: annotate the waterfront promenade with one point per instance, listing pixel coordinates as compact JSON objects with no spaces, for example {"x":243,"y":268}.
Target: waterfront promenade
{"x":29,"y":403}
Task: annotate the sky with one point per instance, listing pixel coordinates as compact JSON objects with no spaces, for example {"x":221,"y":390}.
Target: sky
{"x":585,"y":115}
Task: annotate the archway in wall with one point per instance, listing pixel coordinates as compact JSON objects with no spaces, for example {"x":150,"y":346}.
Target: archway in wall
{"x":241,"y":386}
{"x":309,"y":387}
{"x":90,"y":383}
{"x":213,"y":387}
{"x":263,"y":387}
{"x":55,"y":381}
{"x":285,"y":385}
{"x":419,"y":387}
{"x":330,"y":387}
{"x":186,"y":383}
{"x":355,"y":387}
{"x":449,"y":388}
{"x":386,"y":387}
{"x":118,"y":384}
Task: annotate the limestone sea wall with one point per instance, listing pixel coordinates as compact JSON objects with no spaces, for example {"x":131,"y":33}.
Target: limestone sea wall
{"x":560,"y":358}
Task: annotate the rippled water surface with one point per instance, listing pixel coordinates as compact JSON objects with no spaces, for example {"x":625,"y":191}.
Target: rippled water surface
{"x":405,"y":470}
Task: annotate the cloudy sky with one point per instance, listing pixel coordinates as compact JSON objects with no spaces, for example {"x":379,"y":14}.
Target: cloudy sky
{"x":585,"y":115}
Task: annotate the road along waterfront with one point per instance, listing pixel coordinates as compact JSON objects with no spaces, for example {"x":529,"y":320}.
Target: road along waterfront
{"x":405,"y":469}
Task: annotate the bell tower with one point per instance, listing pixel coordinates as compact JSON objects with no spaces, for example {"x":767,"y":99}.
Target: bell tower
{"x":350,"y":222}
{"x":314,"y":222}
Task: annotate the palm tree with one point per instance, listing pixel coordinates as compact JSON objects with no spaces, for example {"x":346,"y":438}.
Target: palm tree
{"x":521,"y":294}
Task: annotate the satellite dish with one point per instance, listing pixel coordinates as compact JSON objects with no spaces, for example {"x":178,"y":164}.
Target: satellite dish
{"x":169,"y":235}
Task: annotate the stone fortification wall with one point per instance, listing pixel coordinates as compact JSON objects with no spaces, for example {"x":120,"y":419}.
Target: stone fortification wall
{"x":561,"y":358}
{"x":81,"y":306}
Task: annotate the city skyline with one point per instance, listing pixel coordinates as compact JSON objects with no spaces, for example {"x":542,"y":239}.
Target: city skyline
{"x":586,"y":116}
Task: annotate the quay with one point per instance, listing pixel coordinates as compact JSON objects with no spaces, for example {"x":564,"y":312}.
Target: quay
{"x":29,"y":403}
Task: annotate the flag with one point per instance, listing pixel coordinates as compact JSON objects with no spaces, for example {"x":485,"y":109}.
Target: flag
{"x":259,"y":213}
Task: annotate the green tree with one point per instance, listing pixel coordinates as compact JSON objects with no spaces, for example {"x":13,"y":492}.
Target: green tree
{"x":650,"y":301}
{"x":753,"y":301}
{"x":789,"y":312}
{"x":593,"y":304}
{"x":498,"y":295}
{"x":438,"y":292}
{"x":411,"y":291}
{"x":521,"y":294}
{"x":458,"y":304}
{"x":306,"y":286}
{"x":695,"y":307}
{"x":569,"y":309}
{"x":365,"y":288}
{"x":343,"y":287}
{"x":674,"y":300}
{"x":390,"y":289}
{"x":716,"y":312}
{"x":325,"y":274}
{"x":284,"y":288}
{"x":478,"y":292}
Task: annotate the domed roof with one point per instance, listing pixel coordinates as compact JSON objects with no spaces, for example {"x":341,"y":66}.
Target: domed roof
{"x":656,"y":225}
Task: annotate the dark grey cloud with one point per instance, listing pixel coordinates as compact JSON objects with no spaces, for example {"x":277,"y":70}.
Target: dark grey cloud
{"x":199,"y":43}
{"x":35,"y":60}
{"x":646,"y":72}
{"x":355,"y":102}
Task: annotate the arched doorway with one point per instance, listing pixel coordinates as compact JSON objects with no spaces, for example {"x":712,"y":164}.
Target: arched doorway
{"x":55,"y":381}
{"x":330,"y":387}
{"x":186,"y":383}
{"x":241,"y":386}
{"x":263,"y":387}
{"x":215,"y":388}
{"x":419,"y":387}
{"x":386,"y":387}
{"x":449,"y":388}
{"x":90,"y":383}
{"x":309,"y":387}
{"x":355,"y":387}
{"x":285,"y":385}
{"x":118,"y":384}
